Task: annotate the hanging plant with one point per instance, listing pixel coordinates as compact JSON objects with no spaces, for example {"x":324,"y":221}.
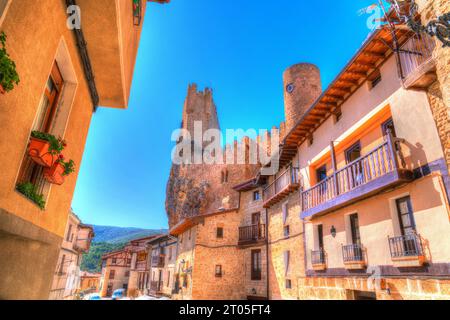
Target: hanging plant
{"x":57,"y":145}
{"x":29,"y":190}
{"x":69,"y":166}
{"x":8,"y":73}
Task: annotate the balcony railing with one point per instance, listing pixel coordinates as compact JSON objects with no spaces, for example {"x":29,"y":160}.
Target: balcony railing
{"x":318,"y":257}
{"x":417,"y":63}
{"x":409,"y":245}
{"x":286,"y":183}
{"x":253,"y":233}
{"x":352,"y":253}
{"x":158,"y":261}
{"x":363,"y":177}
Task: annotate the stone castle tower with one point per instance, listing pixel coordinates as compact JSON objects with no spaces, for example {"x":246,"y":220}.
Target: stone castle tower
{"x":199,"y":106}
{"x":302,"y":86}
{"x":195,"y":189}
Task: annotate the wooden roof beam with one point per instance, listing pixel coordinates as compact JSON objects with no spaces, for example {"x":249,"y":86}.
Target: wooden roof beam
{"x":357,"y":73}
{"x":365,"y":65}
{"x":373,"y":54}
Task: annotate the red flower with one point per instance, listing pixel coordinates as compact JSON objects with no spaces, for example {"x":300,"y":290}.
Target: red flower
{"x":61,"y":157}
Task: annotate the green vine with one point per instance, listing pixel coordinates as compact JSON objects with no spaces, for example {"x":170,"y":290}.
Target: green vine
{"x":69,"y":166}
{"x":8,"y":73}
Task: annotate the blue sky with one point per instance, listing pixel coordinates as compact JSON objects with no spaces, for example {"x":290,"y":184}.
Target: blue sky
{"x":238,"y":48}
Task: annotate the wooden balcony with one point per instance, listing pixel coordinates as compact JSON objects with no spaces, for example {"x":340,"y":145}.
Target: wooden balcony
{"x":417,"y":62}
{"x":252,"y":234}
{"x":158,"y":261}
{"x":376,"y":171}
{"x":286,"y":183}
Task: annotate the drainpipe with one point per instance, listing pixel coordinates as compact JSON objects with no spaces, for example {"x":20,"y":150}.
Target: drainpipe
{"x":86,"y":61}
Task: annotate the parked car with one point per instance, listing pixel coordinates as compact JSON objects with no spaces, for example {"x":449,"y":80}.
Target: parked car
{"x":118,"y":294}
{"x":92,"y":296}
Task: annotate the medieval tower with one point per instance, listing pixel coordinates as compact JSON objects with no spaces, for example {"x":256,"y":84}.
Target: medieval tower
{"x":302,"y":86}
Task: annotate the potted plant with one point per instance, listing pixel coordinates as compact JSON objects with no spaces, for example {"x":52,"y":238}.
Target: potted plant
{"x":44,"y":148}
{"x":60,"y":168}
{"x":8,"y":73}
{"x":29,"y":190}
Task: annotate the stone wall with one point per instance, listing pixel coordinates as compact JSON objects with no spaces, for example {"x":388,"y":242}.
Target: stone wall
{"x":384,"y":289}
{"x":439,"y":92}
{"x":279,"y":244}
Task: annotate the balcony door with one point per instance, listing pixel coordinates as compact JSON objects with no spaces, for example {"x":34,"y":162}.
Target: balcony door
{"x":354,"y":225}
{"x":407,"y":226}
{"x":356,"y":170}
{"x":256,"y":218}
{"x":320,"y":236}
{"x":405,"y":216}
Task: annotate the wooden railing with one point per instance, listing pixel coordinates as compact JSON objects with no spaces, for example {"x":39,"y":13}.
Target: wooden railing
{"x":286,"y":178}
{"x":377,"y":163}
{"x":252,"y":233}
{"x":415,"y":52}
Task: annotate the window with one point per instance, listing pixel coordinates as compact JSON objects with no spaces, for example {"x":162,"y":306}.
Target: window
{"x":388,"y":125}
{"x":321,"y":173}
{"x":374,"y":79}
{"x":112,"y":274}
{"x":353,"y":153}
{"x":256,"y":264}
{"x":310,"y":140}
{"x":189,"y":234}
{"x":114,"y":261}
{"x":219,"y":233}
{"x":285,"y":212}
{"x":218,"y":270}
{"x":286,"y":231}
{"x":319,"y":236}
{"x":61,"y":266}
{"x":256,"y":218}
{"x":46,"y":114}
{"x":170,"y":253}
{"x":256,"y":196}
{"x":405,"y":215}
{"x":337,"y":114}
{"x":69,"y":232}
{"x":288,"y":284}
{"x":168,"y":279}
{"x":224,"y":176}
{"x":4,"y":4}
{"x":354,"y":227}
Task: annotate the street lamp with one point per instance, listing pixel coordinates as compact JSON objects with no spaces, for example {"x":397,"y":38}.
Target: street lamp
{"x":406,"y":11}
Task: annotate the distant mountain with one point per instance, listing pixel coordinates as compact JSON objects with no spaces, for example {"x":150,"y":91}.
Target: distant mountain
{"x":109,"y":239}
{"x":120,"y":235}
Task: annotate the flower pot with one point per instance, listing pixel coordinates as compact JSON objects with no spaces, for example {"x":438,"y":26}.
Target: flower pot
{"x":54,"y":174}
{"x":38,"y":150}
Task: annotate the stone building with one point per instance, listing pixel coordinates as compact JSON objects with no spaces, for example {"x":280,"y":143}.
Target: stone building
{"x":162,"y":258}
{"x":359,"y":208}
{"x":57,"y":94}
{"x":138,"y":281}
{"x":77,"y":240}
{"x":115,"y":272}
{"x":89,"y":282}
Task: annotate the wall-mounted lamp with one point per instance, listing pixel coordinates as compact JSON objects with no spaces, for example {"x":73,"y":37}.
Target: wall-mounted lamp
{"x":333,"y":231}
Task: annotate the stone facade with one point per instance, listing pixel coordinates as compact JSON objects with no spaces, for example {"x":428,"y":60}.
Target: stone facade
{"x":439,"y":92}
